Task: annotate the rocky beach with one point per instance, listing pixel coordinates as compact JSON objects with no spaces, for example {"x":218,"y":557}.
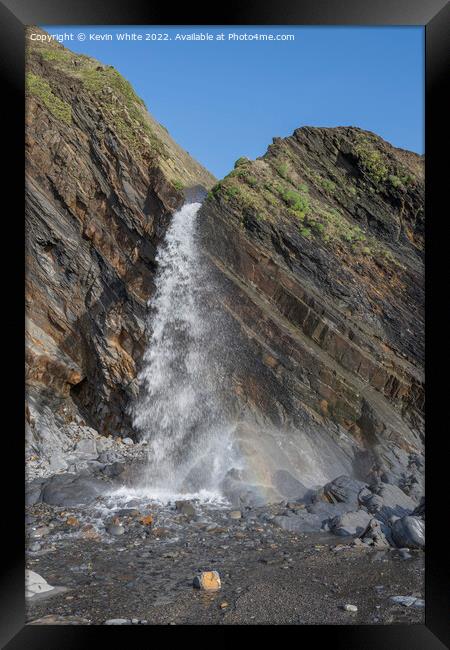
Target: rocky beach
{"x":125,"y":561}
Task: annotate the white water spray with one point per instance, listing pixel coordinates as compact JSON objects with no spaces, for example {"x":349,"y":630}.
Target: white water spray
{"x":180,"y":408}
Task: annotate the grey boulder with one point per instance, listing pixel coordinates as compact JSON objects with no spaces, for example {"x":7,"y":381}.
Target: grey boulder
{"x":299,"y":523}
{"x":343,"y":489}
{"x":328,"y":511}
{"x":350,"y":523}
{"x":70,"y":490}
{"x":409,"y":532}
{"x":86,"y":449}
{"x":33,"y":491}
{"x":377,"y":534}
{"x":395,"y":501}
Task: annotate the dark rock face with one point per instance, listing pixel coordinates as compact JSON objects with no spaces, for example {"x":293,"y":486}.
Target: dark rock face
{"x":103,"y":178}
{"x":319,"y":245}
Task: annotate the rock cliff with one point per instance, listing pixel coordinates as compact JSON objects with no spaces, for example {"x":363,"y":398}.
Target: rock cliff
{"x":102,"y":179}
{"x":319,"y":245}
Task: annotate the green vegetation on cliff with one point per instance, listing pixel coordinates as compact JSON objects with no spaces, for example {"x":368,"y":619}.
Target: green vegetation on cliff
{"x":39,"y":87}
{"x":324,"y":200}
{"x":60,"y":78}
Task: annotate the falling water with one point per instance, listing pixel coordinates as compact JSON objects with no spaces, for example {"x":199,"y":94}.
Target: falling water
{"x":180,"y":408}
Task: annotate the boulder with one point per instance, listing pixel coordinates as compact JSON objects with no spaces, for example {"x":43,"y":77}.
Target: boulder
{"x":375,"y":534}
{"x":350,"y":523}
{"x":33,"y":491}
{"x":103,"y":444}
{"x":343,"y":489}
{"x":86,"y":449}
{"x":304,"y":522}
{"x":69,"y":490}
{"x":409,"y":532}
{"x":395,"y":501}
{"x":328,"y":511}
{"x":420,"y":510}
{"x":57,"y":462}
{"x":114,"y":470}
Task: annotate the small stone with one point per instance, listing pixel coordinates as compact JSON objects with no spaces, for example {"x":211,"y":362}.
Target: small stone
{"x":116,"y":529}
{"x":350,"y":608}
{"x":208,"y":581}
{"x":235,"y":514}
{"x":35,"y":547}
{"x":89,"y":532}
{"x":72,"y":521}
{"x":34,"y":584}
{"x":224,"y":605}
{"x":161,"y":532}
{"x":419,"y":604}
{"x":127,"y":441}
{"x":293,"y":505}
{"x":135,"y":621}
{"x":117,"y":621}
{"x":42,"y":531}
{"x":408,"y":601}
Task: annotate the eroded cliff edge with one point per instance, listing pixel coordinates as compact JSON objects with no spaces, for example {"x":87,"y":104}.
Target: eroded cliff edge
{"x":320,"y":245}
{"x":102,"y":179}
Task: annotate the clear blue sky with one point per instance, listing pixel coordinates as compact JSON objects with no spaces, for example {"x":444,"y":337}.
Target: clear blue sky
{"x":225,"y":99}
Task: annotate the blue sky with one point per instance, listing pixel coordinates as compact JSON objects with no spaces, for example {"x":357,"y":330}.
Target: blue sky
{"x":224,"y":99}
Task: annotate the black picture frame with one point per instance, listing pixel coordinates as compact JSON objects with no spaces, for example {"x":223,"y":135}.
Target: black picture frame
{"x":14,"y":16}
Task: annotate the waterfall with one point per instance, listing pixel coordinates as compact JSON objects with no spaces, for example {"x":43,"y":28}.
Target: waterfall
{"x":179,"y":409}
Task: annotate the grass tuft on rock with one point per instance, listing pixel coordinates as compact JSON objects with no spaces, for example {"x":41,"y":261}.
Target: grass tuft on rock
{"x":39,"y":87}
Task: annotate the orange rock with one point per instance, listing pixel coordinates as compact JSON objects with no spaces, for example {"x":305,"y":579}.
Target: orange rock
{"x":89,"y":532}
{"x":72,"y":521}
{"x":208,"y":581}
{"x":147,"y":520}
